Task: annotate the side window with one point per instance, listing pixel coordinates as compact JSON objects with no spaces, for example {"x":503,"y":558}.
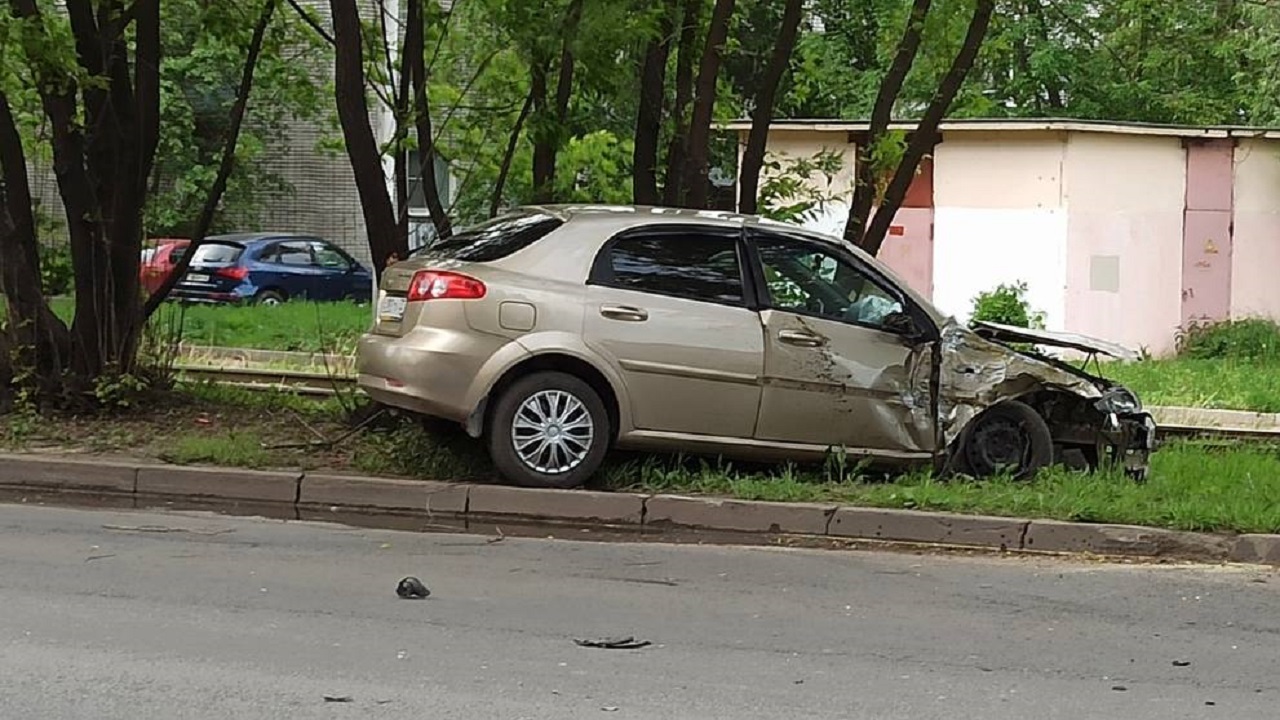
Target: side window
{"x":810,"y":280}
{"x":288,"y":253}
{"x":329,"y":257}
{"x":684,"y":264}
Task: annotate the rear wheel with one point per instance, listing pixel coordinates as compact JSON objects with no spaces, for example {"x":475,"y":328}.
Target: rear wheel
{"x":548,"y":429}
{"x":1007,"y":438}
{"x":270,"y":297}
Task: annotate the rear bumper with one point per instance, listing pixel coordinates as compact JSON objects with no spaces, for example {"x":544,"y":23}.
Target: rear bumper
{"x":205,"y":296}
{"x":431,"y":371}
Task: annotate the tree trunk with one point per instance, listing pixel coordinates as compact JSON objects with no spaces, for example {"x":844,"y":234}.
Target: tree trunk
{"x":653,"y":90}
{"x":549,"y":132}
{"x":402,"y":99}
{"x":33,"y":335}
{"x":757,"y":139}
{"x":864,"y":192}
{"x":505,"y":168}
{"x":699,"y":154}
{"x":673,"y":191}
{"x":225,"y":166}
{"x":923,"y":139}
{"x":103,"y":137}
{"x":544,"y":155}
{"x":414,"y":48}
{"x":362,"y":148}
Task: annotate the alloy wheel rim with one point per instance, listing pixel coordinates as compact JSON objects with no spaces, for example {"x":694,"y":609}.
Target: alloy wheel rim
{"x":552,"y":432}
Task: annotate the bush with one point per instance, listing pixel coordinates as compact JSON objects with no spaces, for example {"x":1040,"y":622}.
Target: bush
{"x":56,"y":273}
{"x":1249,"y":339}
{"x":1006,"y":305}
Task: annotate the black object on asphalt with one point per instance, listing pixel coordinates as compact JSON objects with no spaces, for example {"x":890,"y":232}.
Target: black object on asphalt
{"x":411,"y":588}
{"x":338,"y":698}
{"x":615,"y":643}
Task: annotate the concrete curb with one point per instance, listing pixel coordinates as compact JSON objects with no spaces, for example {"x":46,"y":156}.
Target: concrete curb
{"x":493,"y":502}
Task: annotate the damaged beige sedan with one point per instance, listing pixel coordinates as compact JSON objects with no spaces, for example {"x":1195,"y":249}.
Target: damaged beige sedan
{"x":557,"y":333}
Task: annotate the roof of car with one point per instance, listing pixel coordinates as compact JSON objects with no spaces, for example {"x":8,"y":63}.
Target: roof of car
{"x":643,"y":214}
{"x":255,"y":237}
{"x":612,"y":212}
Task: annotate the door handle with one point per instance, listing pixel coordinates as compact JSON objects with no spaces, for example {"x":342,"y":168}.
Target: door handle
{"x":800,"y":338}
{"x":624,"y":312}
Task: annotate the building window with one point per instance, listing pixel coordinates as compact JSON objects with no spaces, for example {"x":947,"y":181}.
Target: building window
{"x":418,"y":198}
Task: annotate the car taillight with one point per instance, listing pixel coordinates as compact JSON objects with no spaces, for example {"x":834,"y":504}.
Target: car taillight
{"x":444,"y":285}
{"x":233,"y":273}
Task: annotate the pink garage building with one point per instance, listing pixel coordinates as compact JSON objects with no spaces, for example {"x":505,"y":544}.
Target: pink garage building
{"x":1121,"y":231}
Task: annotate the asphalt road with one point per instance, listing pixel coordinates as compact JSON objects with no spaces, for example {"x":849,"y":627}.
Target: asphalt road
{"x":129,"y":614}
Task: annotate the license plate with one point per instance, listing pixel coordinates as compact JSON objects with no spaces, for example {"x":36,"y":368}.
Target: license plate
{"x":391,"y":308}
{"x":197,"y":277}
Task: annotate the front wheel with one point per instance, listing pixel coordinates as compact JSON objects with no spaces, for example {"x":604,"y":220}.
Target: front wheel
{"x":1007,"y":438}
{"x":548,"y":430}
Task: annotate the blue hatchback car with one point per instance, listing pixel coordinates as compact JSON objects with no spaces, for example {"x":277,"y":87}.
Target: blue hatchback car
{"x":271,"y":268}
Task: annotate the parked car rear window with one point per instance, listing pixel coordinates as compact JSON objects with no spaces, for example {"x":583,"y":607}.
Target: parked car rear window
{"x":494,"y":239}
{"x":683,"y":264}
{"x":214,"y":253}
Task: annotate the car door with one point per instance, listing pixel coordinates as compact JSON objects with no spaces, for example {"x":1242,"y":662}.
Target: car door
{"x":669,"y":308}
{"x":835,"y":374}
{"x":290,"y":266}
{"x":341,"y":278}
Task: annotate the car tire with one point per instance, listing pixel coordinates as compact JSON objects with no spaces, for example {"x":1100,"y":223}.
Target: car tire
{"x":545,"y":403}
{"x":1010,"y":437}
{"x":270,"y":297}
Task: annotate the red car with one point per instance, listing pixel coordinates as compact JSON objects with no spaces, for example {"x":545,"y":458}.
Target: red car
{"x":158,"y":262}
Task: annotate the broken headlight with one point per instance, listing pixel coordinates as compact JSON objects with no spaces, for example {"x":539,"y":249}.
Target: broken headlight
{"x":1119,"y":401}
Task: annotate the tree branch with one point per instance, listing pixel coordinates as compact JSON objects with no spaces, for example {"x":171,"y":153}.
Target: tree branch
{"x":757,"y":139}
{"x":306,"y":18}
{"x":923,"y":139}
{"x":225,"y":166}
{"x":864,"y":191}
{"x":505,"y":168}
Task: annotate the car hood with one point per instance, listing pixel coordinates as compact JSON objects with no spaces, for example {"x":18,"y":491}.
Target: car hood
{"x":1010,"y":334}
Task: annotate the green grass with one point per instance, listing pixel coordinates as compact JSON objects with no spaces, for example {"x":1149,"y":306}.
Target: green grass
{"x":1227,"y":384}
{"x":232,"y":449}
{"x":293,"y":326}
{"x":1192,"y":487}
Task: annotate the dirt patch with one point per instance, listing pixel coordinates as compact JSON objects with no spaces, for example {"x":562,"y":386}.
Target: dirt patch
{"x":179,"y":431}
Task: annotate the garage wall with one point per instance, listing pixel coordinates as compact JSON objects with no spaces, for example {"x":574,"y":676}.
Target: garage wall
{"x":999,"y":217}
{"x":1255,"y":259}
{"x":1126,"y":195}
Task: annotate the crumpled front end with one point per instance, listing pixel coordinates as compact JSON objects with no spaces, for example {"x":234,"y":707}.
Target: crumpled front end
{"x":1102,"y":421}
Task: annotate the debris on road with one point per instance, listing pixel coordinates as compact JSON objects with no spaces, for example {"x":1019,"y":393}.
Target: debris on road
{"x":338,"y":698}
{"x":411,"y":588}
{"x":1181,"y":663}
{"x":627,"y":642}
{"x":1119,"y":688}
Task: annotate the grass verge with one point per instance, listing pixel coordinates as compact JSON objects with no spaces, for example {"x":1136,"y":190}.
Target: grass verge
{"x":1193,"y":486}
{"x":1209,"y":383}
{"x":294,"y":326}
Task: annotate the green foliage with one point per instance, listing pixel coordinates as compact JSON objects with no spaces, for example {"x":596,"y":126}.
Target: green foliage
{"x":119,"y":391}
{"x":56,"y":273}
{"x":204,"y":49}
{"x":793,"y":189}
{"x":1246,"y":339}
{"x":1007,"y":305}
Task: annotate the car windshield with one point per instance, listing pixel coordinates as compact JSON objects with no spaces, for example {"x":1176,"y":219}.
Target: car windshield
{"x":213,"y":253}
{"x":495,"y":239}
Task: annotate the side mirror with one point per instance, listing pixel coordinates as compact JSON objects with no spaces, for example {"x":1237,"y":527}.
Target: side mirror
{"x":900,"y":323}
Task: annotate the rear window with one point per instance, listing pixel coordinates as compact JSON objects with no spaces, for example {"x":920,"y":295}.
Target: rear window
{"x":494,"y":239}
{"x":212,"y":253}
